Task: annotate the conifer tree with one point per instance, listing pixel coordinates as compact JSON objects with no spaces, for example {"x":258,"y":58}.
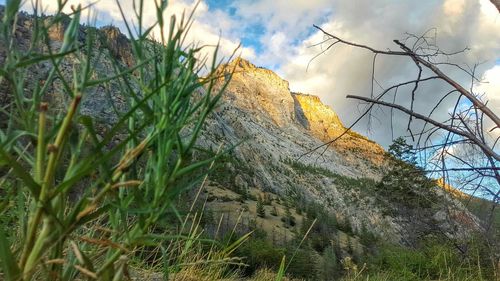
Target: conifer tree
{"x":261,"y":212}
{"x":288,"y":219}
{"x":404,"y":179}
{"x":274,"y":211}
{"x":327,"y":268}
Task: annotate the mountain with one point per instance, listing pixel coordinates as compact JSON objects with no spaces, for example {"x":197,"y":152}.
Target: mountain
{"x":280,"y":141}
{"x":281,"y":154}
{"x":278,"y":175}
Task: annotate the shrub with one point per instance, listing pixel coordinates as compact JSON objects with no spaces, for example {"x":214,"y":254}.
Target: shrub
{"x":261,"y":212}
{"x":87,"y":198}
{"x":288,"y":219}
{"x":303,"y":264}
{"x":259,"y":253}
{"x":274,"y":211}
{"x":433,"y":261}
{"x":328,"y":267}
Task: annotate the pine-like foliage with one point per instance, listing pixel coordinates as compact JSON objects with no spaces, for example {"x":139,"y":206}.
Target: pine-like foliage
{"x":404,"y":180}
{"x":261,"y":212}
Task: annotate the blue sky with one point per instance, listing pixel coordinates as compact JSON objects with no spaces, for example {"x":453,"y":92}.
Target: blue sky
{"x":252,"y":31}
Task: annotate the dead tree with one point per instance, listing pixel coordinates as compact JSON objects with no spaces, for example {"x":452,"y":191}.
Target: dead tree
{"x":462,"y":147}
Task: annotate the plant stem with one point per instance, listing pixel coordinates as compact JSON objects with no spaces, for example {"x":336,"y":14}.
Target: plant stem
{"x":33,"y":253}
{"x":40,"y":160}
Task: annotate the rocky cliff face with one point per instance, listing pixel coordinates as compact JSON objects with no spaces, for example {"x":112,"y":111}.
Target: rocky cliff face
{"x":277,"y":134}
{"x":281,"y":130}
{"x":250,"y":90}
{"x":318,"y":118}
{"x":261,"y":103}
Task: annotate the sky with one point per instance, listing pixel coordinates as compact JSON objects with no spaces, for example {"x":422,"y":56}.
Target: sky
{"x":279,"y":35}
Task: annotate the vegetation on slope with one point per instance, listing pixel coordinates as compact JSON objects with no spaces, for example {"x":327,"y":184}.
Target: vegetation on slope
{"x":334,"y":250}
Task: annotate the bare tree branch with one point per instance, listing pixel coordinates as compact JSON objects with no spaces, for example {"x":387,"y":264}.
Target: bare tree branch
{"x":477,"y":161}
{"x":454,"y":130}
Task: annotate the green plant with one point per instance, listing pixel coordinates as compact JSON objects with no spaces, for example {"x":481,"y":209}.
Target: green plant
{"x":302,"y":263}
{"x":259,"y":253}
{"x":404,"y":181}
{"x":328,"y":267}
{"x":342,"y":181}
{"x":80,"y":201}
{"x":288,"y":219}
{"x":401,"y":150}
{"x":433,"y":261}
{"x":267,"y":199}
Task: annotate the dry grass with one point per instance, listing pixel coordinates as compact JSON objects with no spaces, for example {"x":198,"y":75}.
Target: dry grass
{"x":270,"y":224}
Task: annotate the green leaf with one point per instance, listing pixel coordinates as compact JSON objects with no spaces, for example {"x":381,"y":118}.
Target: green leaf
{"x":33,"y":59}
{"x":71,"y":33}
{"x":281,"y":272}
{"x":10,"y":140}
{"x":9,"y":265}
{"x":11,"y":10}
{"x":231,"y":248}
{"x":20,"y":172}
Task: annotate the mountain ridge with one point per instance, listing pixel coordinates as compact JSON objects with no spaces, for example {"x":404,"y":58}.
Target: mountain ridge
{"x":278,"y":141}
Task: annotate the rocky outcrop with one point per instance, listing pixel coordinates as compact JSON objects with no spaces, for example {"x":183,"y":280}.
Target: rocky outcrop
{"x":118,"y":44}
{"x":102,"y":102}
{"x":281,"y":131}
{"x":317,"y":117}
{"x":250,"y":90}
{"x":56,"y":30}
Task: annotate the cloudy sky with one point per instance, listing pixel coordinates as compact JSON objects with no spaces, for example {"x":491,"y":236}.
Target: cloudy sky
{"x":279,"y":35}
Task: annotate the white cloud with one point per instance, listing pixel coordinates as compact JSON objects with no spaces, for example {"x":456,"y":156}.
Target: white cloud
{"x":292,"y":17}
{"x":491,"y":89}
{"x":204,"y":32}
{"x":453,"y":8}
{"x":376,"y":23}
{"x":285,"y":34}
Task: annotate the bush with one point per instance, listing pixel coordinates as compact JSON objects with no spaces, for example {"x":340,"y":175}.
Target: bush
{"x":274,"y":211}
{"x":303,"y":264}
{"x":433,"y":261}
{"x":288,"y":219}
{"x":261,"y":212}
{"x":259,"y":253}
{"x":73,"y":178}
{"x":328,"y":267}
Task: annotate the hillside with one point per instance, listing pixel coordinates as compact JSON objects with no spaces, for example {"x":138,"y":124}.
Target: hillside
{"x":280,"y":129}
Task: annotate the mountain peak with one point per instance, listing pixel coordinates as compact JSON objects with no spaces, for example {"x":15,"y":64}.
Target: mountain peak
{"x":259,"y":90}
{"x":243,"y":67}
{"x":241,"y":63}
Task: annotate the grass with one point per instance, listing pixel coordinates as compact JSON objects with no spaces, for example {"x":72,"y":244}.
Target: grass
{"x":435,"y":261}
{"x":81,"y":203}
